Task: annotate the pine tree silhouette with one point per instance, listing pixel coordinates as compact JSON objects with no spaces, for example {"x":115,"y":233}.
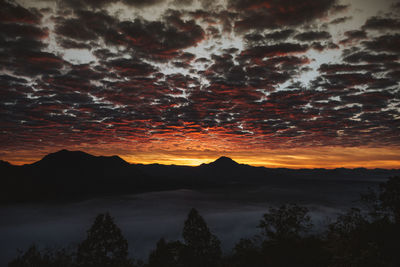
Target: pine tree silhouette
{"x":166,"y":254}
{"x":32,"y":257}
{"x":202,"y":247}
{"x":104,"y":246}
{"x":286,"y":222}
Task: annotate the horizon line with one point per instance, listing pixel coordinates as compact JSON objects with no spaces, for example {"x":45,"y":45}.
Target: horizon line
{"x":207,"y":161}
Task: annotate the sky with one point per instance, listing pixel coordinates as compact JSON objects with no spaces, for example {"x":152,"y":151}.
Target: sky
{"x":276,"y":83}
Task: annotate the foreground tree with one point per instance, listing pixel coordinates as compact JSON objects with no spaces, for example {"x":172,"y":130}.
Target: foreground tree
{"x":358,"y":238}
{"x":166,"y":254}
{"x":385,"y":202}
{"x":350,"y":241}
{"x":32,"y":257}
{"x":246,"y":253}
{"x":369,"y":238}
{"x":390,"y":198}
{"x":202,"y":248}
{"x":285,"y":222}
{"x":286,"y":241}
{"x":45,"y":258}
{"x":104,"y":246}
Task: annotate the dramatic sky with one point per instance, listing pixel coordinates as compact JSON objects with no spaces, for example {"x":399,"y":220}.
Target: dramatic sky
{"x":279,"y":83}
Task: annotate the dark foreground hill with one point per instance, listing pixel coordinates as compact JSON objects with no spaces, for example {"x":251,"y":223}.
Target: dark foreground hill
{"x":78,"y":175}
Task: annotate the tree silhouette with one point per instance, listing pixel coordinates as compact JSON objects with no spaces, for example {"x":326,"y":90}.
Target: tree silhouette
{"x":202,"y":247}
{"x":389,"y":196}
{"x":32,"y":257}
{"x":245,"y":253}
{"x":46,"y":258}
{"x":286,"y":222}
{"x":354,"y":240}
{"x":385,"y":202}
{"x":360,"y":238}
{"x":104,"y":246}
{"x":166,"y":254}
{"x":286,"y":242}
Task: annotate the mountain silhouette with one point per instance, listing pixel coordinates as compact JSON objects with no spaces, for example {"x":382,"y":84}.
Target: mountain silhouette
{"x":68,"y":175}
{"x":224,"y":162}
{"x":79,"y":160}
{"x":4,"y":164}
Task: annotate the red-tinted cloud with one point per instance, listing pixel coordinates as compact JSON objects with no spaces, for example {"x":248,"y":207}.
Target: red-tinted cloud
{"x":144,"y":89}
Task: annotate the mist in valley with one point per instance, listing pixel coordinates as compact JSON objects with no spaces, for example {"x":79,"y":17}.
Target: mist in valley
{"x":231,"y":213}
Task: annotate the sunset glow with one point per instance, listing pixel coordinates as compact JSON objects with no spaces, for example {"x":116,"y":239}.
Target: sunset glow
{"x":296,"y":158}
{"x":327,"y":157}
{"x":310,"y":84}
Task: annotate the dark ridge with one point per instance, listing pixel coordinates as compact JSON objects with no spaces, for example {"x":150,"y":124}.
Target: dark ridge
{"x":4,"y":164}
{"x":75,"y":174}
{"x":224,"y":162}
{"x":67,"y":157}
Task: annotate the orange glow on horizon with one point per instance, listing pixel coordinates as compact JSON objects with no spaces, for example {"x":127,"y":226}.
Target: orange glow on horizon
{"x":295,"y":158}
{"x":323,"y":157}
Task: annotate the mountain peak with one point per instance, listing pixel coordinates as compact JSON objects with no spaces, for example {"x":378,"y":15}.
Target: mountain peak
{"x":65,"y":154}
{"x":68,"y":157}
{"x":4,"y":163}
{"x":224,"y":161}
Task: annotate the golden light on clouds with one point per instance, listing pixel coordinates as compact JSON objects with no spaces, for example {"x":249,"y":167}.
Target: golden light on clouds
{"x":185,"y":82}
{"x":316,"y":157}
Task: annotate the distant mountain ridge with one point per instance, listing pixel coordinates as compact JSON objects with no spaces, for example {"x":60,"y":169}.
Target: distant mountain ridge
{"x":75,"y":174}
{"x":223,"y":162}
{"x":66,"y":157}
{"x":78,"y":156}
{"x":5,"y":163}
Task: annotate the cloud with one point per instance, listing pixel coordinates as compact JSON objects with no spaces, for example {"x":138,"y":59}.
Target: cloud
{"x":384,"y":43}
{"x":28,"y":31}
{"x":243,"y":77}
{"x":130,"y":67}
{"x":276,"y":36}
{"x":365,"y":56}
{"x":85,"y":4}
{"x":157,"y":40}
{"x":379,"y":23}
{"x":312,"y":36}
{"x":32,"y":63}
{"x":333,"y":68}
{"x":86,"y":26}
{"x":396,"y":5}
{"x":260,"y":52}
{"x":338,"y":8}
{"x":73,"y":28}
{"x":140,"y":3}
{"x":13,"y":13}
{"x":340,"y":20}
{"x":353,"y":36}
{"x":262,"y":14}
